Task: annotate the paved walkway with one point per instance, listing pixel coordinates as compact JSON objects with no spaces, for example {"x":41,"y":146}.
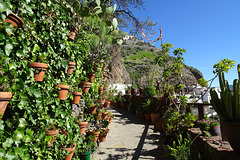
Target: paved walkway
{"x":130,"y":138}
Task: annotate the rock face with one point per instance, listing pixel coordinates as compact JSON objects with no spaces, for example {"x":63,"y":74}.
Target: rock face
{"x":147,"y":73}
{"x":118,"y":72}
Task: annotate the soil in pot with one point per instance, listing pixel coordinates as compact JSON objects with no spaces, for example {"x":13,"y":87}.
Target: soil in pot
{"x":85,"y":86}
{"x":63,"y":91}
{"x":14,"y":20}
{"x":91,"y":77}
{"x":83,"y":126}
{"x":52,"y":133}
{"x":71,"y":67}
{"x":5,"y":97}
{"x":76,"y":97}
{"x":41,"y":67}
{"x":71,"y":152}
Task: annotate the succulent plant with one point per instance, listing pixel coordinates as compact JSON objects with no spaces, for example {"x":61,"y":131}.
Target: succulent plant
{"x":228,"y":105}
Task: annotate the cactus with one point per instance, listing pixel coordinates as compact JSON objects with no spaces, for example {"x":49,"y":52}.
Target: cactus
{"x":228,"y":106}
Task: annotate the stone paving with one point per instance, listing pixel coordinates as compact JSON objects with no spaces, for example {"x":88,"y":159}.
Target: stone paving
{"x":130,"y":138}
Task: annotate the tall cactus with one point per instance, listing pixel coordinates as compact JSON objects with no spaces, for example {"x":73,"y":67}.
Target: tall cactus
{"x":228,"y":106}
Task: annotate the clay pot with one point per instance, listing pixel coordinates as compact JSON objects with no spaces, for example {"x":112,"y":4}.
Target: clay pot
{"x":5,"y":97}
{"x":73,"y":32}
{"x":83,"y":126}
{"x":63,"y":91}
{"x":71,"y":67}
{"x":52,"y":133}
{"x":14,"y":20}
{"x":141,"y":115}
{"x":91,"y":77}
{"x":92,"y":110}
{"x":107,"y":104}
{"x":85,"y":86}
{"x":104,"y":68}
{"x":105,"y":76}
{"x":100,"y":90}
{"x":215,"y":130}
{"x":223,"y":130}
{"x":233,"y":132}
{"x":71,"y":150}
{"x":104,"y":115}
{"x":159,"y":125}
{"x":41,"y":67}
{"x":101,"y":103}
{"x":76,"y":97}
{"x":110,"y":120}
{"x":95,"y":134}
{"x":147,"y":117}
{"x":102,"y":137}
{"x":155,"y":117}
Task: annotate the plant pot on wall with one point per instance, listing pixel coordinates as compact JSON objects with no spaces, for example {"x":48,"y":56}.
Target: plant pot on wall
{"x":92,"y":110}
{"x":76,"y":97}
{"x":107,"y":104}
{"x":95,"y":134}
{"x":41,"y":67}
{"x":85,"y":86}
{"x":73,"y":32}
{"x":91,"y":77}
{"x":233,"y":132}
{"x":71,"y":67}
{"x":14,"y":20}
{"x":83,"y":126}
{"x":100,"y":90}
{"x":52,"y":133}
{"x":63,"y":91}
{"x":155,"y":117}
{"x":215,"y":130}
{"x":71,"y":152}
{"x":147,"y":117}
{"x":102,"y":137}
{"x":86,"y":155}
{"x":101,"y":103}
{"x":5,"y":97}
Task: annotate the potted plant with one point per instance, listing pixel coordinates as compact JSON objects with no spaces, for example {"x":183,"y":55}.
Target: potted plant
{"x":94,"y":131}
{"x":73,"y":32}
{"x":77,"y":93}
{"x":89,"y":103}
{"x":52,"y":130}
{"x":62,"y":90}
{"x":85,"y":85}
{"x":71,"y":67}
{"x":82,"y":122}
{"x":14,"y":20}
{"x":147,"y":109}
{"x":67,"y":144}
{"x":209,"y":126}
{"x":85,"y":148}
{"x":134,"y":89}
{"x":227,"y":107}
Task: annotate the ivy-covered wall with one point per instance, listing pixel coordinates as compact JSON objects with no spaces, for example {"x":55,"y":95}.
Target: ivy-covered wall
{"x":44,"y":38}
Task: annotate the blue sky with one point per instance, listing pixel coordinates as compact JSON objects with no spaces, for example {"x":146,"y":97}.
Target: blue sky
{"x":209,"y":30}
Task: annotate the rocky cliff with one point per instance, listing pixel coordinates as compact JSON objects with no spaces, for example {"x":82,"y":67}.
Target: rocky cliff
{"x":138,"y":62}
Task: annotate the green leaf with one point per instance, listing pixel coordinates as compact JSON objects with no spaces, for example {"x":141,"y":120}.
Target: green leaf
{"x":120,"y":42}
{"x":115,"y":33}
{"x":114,"y":7}
{"x":2,"y":36}
{"x":10,"y":155}
{"x":8,"y":143}
{"x":22,"y":123}
{"x":19,"y":53}
{"x":19,"y":151}
{"x":19,"y":134}
{"x":2,"y":152}
{"x":1,"y":126}
{"x":114,"y":23}
{"x":98,"y":2}
{"x":9,"y":29}
{"x":109,"y":10}
{"x":8,"y":48}
{"x":35,"y":48}
{"x":3,"y":6}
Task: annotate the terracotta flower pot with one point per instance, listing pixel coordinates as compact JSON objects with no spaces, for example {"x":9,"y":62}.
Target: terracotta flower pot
{"x":85,"y":86}
{"x":14,"y":20}
{"x":95,"y":134}
{"x":73,"y":32}
{"x":147,"y":117}
{"x":92,"y":110}
{"x":100,"y":90}
{"x":104,"y":68}
{"x":76,"y":97}
{"x":107,"y":104}
{"x":83,"y":126}
{"x":155,"y":117}
{"x":110,"y":120}
{"x":141,"y":115}
{"x":71,"y":152}
{"x":160,"y":125}
{"x":102,"y":137}
{"x":52,"y":133}
{"x":233,"y":132}
{"x":215,"y":130}
{"x":91,"y":77}
{"x":101,"y":103}
{"x":71,"y":67}
{"x":41,"y":67}
{"x":63,"y":91}
{"x":5,"y":97}
{"x":104,"y":115}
